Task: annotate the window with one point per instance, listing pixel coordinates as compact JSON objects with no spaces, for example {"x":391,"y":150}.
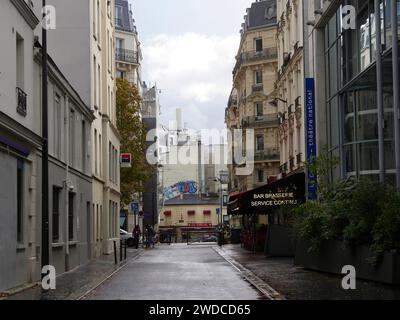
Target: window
{"x":94,"y":19}
{"x":118,"y":16}
{"x":258,"y":77}
{"x":260,"y":143}
{"x":207,"y":212}
{"x":260,"y":175}
{"x":191,"y":212}
{"x":71,"y":197}
{"x":96,"y":153}
{"x":110,"y":217}
{"x":72,"y":137}
{"x":259,"y":109}
{"x":116,"y":166}
{"x":110,"y":161}
{"x":20,"y":200}
{"x":120,"y":44}
{"x":94,"y":82}
{"x":100,"y":224}
{"x":99,"y":85}
{"x":20,"y":62}
{"x":259,"y":45}
{"x":56,"y":214}
{"x":83,"y":146}
{"x":100,"y":169}
{"x":108,"y":51}
{"x":97,"y":223}
{"x":57,"y":126}
{"x":120,"y":74}
{"x":98,"y":21}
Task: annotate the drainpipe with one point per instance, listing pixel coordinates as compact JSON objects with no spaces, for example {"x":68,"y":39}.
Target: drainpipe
{"x":379,"y":92}
{"x":396,"y":98}
{"x":66,"y":183}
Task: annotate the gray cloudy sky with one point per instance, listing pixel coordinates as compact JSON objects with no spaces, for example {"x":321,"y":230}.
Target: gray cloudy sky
{"x":189,"y":49}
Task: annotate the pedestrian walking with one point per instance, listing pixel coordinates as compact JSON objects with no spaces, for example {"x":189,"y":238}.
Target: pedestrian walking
{"x":136,"y":235}
{"x":169,"y":237}
{"x":150,"y":236}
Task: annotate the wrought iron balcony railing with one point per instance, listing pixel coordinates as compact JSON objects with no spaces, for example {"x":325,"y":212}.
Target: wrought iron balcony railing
{"x":253,"y":56}
{"x":128,"y":56}
{"x":259,"y":87}
{"x":21,"y":101}
{"x":268,"y":120}
{"x":271,"y":154}
{"x":118,"y":22}
{"x":291,"y":163}
{"x":299,"y":159}
{"x":284,"y":168}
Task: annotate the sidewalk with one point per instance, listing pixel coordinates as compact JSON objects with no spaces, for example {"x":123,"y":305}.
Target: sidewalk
{"x":72,"y":285}
{"x":296,"y":283}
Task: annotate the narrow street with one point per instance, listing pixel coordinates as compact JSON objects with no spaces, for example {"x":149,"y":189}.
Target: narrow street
{"x":177,"y":272}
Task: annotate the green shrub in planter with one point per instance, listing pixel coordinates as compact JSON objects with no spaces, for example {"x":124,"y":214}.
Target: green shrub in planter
{"x":361,"y":212}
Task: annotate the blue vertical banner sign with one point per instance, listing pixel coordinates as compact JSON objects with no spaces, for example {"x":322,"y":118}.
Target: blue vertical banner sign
{"x":311,"y":142}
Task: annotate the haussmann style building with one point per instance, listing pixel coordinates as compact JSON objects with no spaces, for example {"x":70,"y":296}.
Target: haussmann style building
{"x":83,"y":47}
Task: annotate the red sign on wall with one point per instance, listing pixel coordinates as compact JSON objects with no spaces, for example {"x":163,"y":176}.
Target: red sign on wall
{"x":200,"y":225}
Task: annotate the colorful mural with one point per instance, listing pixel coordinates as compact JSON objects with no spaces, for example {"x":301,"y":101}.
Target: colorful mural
{"x":184,"y":187}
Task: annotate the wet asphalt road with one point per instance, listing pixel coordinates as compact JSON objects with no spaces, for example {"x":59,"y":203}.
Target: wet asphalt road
{"x":177,"y":272}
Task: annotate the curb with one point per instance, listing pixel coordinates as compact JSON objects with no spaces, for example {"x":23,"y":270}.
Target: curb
{"x":255,"y":281}
{"x":17,"y":290}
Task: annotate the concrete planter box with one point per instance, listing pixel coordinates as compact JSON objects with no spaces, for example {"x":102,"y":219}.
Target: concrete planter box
{"x":333,"y":256}
{"x":279,"y":241}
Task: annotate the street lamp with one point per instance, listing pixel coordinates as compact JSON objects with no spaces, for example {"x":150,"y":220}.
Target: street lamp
{"x":274,"y":102}
{"x":220,"y":218}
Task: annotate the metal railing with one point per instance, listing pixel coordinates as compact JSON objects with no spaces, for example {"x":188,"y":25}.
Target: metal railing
{"x":252,"y":56}
{"x":118,"y":22}
{"x":284,"y":168}
{"x":291,"y":163}
{"x":271,"y":154}
{"x":269,"y":120}
{"x":125,"y":55}
{"x":299,"y":158}
{"x":259,"y":87}
{"x":21,"y":101}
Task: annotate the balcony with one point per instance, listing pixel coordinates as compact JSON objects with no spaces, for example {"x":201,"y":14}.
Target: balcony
{"x":128,"y":56}
{"x":118,"y":22}
{"x":284,"y":168}
{"x":259,"y":87}
{"x":267,"y":155}
{"x":297,"y":102}
{"x":21,"y":102}
{"x":291,"y":163}
{"x":255,"y":56}
{"x":299,"y":159}
{"x":265,"y":121}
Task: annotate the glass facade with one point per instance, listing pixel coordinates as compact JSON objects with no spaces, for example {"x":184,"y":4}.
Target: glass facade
{"x":351,"y":91}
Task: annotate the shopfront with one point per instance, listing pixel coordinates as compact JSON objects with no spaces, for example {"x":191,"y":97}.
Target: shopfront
{"x":263,"y":207}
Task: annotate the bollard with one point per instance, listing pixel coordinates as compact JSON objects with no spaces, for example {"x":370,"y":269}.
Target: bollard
{"x":115,"y":252}
{"x":120,"y":250}
{"x":126,"y":245}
